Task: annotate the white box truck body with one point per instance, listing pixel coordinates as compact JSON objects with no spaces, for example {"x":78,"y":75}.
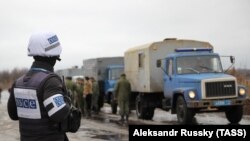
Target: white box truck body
{"x":140,"y":62}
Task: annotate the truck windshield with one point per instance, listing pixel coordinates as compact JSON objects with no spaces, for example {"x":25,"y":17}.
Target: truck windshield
{"x":198,"y":64}
{"x":115,"y":73}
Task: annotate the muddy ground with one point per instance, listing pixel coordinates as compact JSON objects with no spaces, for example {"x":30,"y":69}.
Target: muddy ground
{"x":106,"y":126}
{"x":247,"y":107}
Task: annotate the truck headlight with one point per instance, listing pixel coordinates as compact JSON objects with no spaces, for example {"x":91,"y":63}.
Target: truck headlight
{"x":191,"y":94}
{"x":242,"y":91}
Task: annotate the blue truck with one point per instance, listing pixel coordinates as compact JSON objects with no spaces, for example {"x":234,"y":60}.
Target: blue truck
{"x":106,"y":70}
{"x":182,"y":76}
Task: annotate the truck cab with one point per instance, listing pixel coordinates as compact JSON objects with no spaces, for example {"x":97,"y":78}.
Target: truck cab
{"x":113,"y":74}
{"x":106,"y":70}
{"x":194,"y":82}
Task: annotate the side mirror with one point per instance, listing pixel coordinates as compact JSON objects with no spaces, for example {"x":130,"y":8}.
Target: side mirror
{"x":158,"y":63}
{"x":232,"y":59}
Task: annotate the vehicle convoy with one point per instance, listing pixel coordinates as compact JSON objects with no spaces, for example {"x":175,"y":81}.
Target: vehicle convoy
{"x":106,"y":70}
{"x":183,"y":76}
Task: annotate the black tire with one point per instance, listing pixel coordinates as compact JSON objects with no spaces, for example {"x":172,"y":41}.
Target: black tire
{"x":138,"y":106}
{"x":184,"y":114}
{"x":142,"y":111}
{"x":150,"y":113}
{"x":113,"y":107}
{"x":234,"y":114}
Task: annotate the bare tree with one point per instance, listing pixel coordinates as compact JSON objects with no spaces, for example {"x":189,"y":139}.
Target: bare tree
{"x":8,"y":77}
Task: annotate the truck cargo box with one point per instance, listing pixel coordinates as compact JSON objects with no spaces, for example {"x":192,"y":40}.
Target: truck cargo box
{"x":140,"y":62}
{"x":96,"y":67}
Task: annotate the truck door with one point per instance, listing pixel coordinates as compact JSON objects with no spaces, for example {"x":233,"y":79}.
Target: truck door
{"x":168,"y":78}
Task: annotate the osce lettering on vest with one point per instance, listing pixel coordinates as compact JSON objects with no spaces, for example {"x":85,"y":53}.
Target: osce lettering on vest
{"x":27,"y":102}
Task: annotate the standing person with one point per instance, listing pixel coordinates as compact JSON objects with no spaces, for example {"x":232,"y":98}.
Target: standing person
{"x":87,"y":93}
{"x":71,"y":89}
{"x":95,"y":95}
{"x":37,"y":98}
{"x":79,"y":90}
{"x":0,"y":94}
{"x":122,"y":92}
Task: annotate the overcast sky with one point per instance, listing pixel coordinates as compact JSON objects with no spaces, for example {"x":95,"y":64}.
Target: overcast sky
{"x":104,"y":28}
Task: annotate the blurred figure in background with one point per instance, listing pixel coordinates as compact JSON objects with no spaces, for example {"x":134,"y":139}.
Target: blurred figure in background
{"x":0,"y":94}
{"x":87,"y":93}
{"x":71,"y":87}
{"x":95,"y":95}
{"x":79,"y":90}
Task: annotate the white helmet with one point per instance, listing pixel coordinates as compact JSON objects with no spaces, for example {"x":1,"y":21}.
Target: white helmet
{"x":44,"y":44}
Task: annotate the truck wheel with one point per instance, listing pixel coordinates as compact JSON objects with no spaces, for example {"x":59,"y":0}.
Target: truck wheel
{"x":114,"y":107}
{"x":234,"y":114}
{"x":142,"y":111}
{"x":149,"y":113}
{"x":184,"y":115}
{"x":138,"y":107}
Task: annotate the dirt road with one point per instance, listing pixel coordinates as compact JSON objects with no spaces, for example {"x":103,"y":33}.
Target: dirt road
{"x":105,"y":126}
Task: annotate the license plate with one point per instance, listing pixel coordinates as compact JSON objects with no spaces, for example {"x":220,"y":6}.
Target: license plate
{"x":222,"y":103}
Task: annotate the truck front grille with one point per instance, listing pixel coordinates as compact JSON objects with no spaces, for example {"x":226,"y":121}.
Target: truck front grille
{"x":220,"y":89}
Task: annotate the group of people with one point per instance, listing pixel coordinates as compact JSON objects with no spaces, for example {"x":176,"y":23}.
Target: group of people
{"x":84,"y":94}
{"x":39,"y":99}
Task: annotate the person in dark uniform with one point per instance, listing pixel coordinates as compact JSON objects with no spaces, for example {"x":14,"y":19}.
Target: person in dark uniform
{"x":37,"y":99}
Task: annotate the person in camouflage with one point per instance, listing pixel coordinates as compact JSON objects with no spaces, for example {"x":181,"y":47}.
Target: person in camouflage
{"x":79,"y":98}
{"x":71,"y":89}
{"x":122,"y":92}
